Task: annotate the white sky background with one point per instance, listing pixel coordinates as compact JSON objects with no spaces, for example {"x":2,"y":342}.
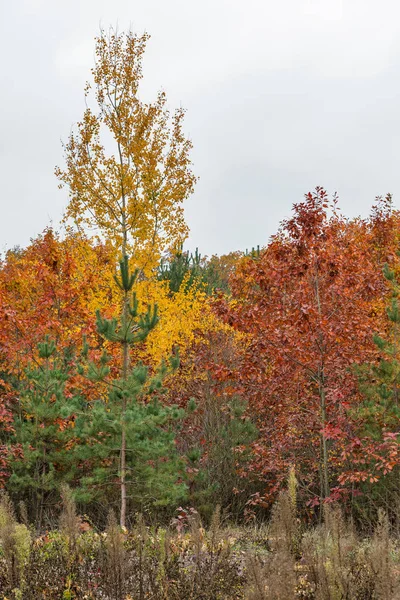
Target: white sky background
{"x":281,"y":96}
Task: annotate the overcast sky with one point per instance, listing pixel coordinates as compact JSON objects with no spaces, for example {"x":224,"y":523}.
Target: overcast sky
{"x":281,"y":96}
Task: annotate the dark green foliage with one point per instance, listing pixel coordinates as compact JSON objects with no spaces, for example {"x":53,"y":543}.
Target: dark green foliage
{"x":126,"y":280}
{"x":132,"y":327}
{"x":43,"y":428}
{"x":181,"y":267}
{"x":379,"y":413}
{"x":190,"y":269}
{"x":135,"y":327}
{"x":254,"y":252}
{"x":380,"y":410}
{"x":153,"y":465}
{"x":126,"y":330}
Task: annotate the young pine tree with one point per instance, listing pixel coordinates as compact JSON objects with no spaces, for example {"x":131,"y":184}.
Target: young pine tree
{"x":129,"y":438}
{"x":43,"y":426}
{"x":378,"y":416}
{"x":181,"y":267}
{"x":380,"y":383}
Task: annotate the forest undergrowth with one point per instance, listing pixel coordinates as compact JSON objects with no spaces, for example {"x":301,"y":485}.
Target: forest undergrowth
{"x":278,"y":560}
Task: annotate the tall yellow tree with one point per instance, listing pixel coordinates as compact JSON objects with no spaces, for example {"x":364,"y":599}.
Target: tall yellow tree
{"x":129,"y":171}
{"x":128,"y":164}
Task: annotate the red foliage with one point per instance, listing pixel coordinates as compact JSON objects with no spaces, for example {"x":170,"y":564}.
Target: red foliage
{"x":310,"y":305}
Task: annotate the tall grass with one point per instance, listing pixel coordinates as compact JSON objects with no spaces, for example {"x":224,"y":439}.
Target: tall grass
{"x":280,"y":561}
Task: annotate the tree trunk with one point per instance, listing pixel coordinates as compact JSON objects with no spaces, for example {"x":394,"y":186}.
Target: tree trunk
{"x":123,"y":440}
{"x":125,"y":366}
{"x":325,"y":492}
{"x":325,"y":489}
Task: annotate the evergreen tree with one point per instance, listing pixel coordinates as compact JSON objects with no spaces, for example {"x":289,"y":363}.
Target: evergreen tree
{"x":379,"y":414}
{"x":181,"y":267}
{"x":184,"y":267}
{"x":129,"y":439}
{"x":43,"y":428}
{"x":380,"y":383}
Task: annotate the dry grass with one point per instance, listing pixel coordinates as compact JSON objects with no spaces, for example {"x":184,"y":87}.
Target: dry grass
{"x":278,"y":562}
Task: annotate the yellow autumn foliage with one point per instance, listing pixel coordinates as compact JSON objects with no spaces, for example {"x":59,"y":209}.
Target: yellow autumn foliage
{"x":127,"y":164}
{"x":181,"y":315}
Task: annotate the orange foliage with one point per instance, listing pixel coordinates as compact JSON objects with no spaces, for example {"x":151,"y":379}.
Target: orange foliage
{"x":52,"y":287}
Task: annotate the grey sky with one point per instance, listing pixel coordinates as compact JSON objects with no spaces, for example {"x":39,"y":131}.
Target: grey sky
{"x":281,"y":96}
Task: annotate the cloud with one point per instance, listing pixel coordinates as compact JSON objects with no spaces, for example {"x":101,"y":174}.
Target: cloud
{"x":281,"y":97}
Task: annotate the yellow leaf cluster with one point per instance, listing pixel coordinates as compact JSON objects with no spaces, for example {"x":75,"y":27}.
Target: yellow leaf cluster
{"x":181,"y":315}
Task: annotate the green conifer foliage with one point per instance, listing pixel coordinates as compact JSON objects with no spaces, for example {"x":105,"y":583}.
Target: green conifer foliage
{"x":43,"y":426}
{"x":212,"y":273}
{"x":380,"y":383}
{"x":181,"y":267}
{"x":379,"y":413}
